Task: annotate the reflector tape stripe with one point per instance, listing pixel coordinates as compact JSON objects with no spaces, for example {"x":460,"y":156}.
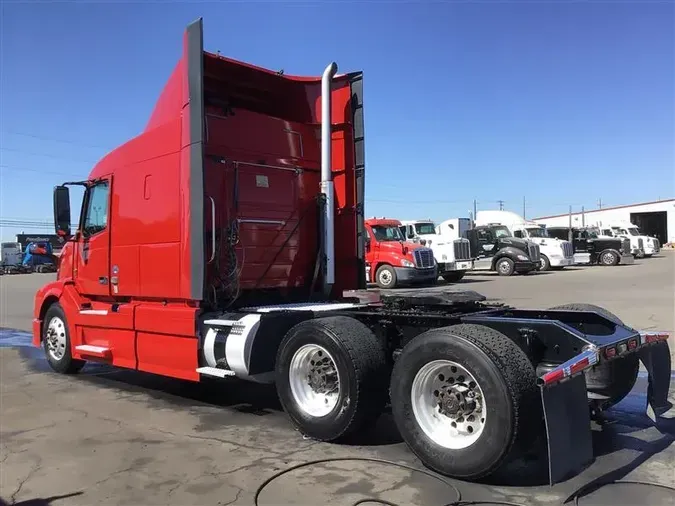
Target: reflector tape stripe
{"x":573,"y":366}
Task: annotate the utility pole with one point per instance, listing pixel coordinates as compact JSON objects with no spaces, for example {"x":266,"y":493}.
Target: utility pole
{"x":569,"y":233}
{"x":523,"y":206}
{"x":583,"y":217}
{"x":501,"y":205}
{"x":600,"y":203}
{"x":475,"y":209}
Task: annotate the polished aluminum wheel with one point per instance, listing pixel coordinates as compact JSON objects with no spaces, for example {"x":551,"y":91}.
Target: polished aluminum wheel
{"x":448,"y":404}
{"x":314,"y":380}
{"x":56,"y":338}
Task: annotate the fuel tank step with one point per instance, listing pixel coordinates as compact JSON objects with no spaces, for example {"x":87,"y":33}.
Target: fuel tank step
{"x":93,"y":351}
{"x":214,"y":371}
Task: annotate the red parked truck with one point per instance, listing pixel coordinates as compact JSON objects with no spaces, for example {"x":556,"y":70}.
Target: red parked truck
{"x":391,"y":261}
{"x":227,"y":240}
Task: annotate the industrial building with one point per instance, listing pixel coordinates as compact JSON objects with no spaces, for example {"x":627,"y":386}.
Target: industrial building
{"x":656,"y":219}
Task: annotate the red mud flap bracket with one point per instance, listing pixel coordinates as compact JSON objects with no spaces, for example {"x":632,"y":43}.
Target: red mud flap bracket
{"x":567,"y":417}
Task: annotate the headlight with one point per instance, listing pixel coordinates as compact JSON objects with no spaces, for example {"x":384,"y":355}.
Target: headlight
{"x":407,"y":263}
{"x":523,"y":258}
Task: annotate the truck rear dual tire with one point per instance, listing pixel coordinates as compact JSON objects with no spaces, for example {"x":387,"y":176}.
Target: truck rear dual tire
{"x":56,"y":342}
{"x":332,"y":377}
{"x":608,"y":383}
{"x":490,"y":409}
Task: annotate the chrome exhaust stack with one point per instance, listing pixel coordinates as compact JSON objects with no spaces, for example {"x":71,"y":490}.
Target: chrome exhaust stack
{"x":326,"y":187}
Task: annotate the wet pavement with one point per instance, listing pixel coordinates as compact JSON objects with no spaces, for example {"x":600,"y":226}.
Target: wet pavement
{"x":111,"y":436}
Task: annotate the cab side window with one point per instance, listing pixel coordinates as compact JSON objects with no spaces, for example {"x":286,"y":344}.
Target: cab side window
{"x":484,"y":237}
{"x":96,"y":217}
{"x":518,"y":233}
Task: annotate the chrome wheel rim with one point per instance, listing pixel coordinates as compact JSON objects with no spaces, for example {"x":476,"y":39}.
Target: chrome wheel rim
{"x":385,"y":277}
{"x":56,"y":338}
{"x":314,"y":380}
{"x":448,"y":404}
{"x":608,"y":258}
{"x":504,"y":267}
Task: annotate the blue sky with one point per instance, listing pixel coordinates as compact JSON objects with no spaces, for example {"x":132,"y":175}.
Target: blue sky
{"x":562,"y":103}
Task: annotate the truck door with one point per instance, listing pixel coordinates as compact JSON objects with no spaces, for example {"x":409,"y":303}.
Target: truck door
{"x":93,"y":246}
{"x":581,"y":243}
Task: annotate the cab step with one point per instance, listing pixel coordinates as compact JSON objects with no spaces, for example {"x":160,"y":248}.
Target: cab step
{"x":214,"y":371}
{"x":93,"y":351}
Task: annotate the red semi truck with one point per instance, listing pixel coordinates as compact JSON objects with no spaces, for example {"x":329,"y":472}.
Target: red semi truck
{"x":228,"y":240}
{"x":391,"y":261}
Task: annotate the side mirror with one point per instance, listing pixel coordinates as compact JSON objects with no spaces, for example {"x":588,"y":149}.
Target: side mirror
{"x":62,"y":210}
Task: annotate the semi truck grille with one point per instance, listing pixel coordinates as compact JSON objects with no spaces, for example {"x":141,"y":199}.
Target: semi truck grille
{"x":626,"y":246}
{"x":462,"y":249}
{"x":568,"y":249}
{"x":424,"y":258}
{"x":533,"y":251}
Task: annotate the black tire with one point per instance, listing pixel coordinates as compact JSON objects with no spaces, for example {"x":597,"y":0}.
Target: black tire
{"x":545,"y":263}
{"x":64,"y":364}
{"x":507,"y":380}
{"x":363,"y":371}
{"x":612,"y":380}
{"x":505,"y":266}
{"x":453,"y":276}
{"x":608,"y":258}
{"x":385,"y":277}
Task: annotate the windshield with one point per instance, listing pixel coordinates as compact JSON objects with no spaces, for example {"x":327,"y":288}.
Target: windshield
{"x":501,"y":232}
{"x":387,"y":233}
{"x":537,"y":232}
{"x":633,"y":231}
{"x":425,"y":228}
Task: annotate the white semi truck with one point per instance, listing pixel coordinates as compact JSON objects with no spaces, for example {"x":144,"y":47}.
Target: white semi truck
{"x":641,"y":245}
{"x":554,"y":253}
{"x":453,"y":255}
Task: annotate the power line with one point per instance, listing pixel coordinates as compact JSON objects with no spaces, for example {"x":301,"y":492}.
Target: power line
{"x":47,"y":155}
{"x":63,"y":141}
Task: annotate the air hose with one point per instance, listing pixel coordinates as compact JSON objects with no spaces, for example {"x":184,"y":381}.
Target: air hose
{"x":456,"y":502}
{"x":458,"y":499}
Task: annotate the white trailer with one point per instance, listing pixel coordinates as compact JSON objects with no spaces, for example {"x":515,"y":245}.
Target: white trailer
{"x":554,"y":253}
{"x":453,"y":256}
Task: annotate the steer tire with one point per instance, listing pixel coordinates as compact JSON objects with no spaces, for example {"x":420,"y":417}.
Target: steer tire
{"x":505,"y":266}
{"x":61,"y":359}
{"x":610,"y":381}
{"x":609,"y":258}
{"x":507,"y":380}
{"x":361,"y":366}
{"x":545,"y":263}
{"x":385,"y":277}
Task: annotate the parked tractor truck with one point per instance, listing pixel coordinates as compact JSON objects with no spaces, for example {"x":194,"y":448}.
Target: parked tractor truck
{"x":554,"y":253}
{"x":493,"y":247}
{"x":392,"y":261}
{"x":227,"y":240}
{"x":641,"y":245}
{"x":453,"y":256}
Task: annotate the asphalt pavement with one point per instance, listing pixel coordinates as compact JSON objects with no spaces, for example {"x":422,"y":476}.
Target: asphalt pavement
{"x":111,"y":436}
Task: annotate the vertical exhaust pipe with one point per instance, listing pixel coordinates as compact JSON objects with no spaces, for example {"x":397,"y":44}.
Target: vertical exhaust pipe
{"x":327,"y":178}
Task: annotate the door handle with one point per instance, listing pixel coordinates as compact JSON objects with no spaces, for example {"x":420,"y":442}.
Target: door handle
{"x":103,"y":280}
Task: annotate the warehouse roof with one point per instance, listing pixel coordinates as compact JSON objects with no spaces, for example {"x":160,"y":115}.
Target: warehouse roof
{"x":606,"y":209}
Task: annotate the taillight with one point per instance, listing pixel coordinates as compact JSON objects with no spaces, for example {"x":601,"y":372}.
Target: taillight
{"x":574,"y":366}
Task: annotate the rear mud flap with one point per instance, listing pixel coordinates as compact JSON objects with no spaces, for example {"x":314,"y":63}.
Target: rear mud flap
{"x":656,"y":359}
{"x":568,"y":428}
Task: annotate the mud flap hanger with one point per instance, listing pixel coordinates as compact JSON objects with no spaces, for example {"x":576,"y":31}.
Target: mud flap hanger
{"x":565,"y":403}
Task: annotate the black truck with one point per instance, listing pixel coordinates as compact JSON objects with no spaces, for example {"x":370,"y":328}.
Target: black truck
{"x":591,"y":249}
{"x":495,"y":249}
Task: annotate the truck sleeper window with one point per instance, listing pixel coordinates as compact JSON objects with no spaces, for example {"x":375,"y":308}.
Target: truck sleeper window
{"x":96,"y":217}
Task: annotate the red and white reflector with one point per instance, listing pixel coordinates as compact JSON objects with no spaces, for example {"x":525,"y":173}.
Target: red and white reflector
{"x":653,"y":337}
{"x":573,"y":366}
